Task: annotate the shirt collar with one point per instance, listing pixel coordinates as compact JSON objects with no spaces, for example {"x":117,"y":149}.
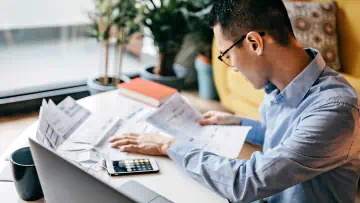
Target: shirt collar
{"x":299,"y":87}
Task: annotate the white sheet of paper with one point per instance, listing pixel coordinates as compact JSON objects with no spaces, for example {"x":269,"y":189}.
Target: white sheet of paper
{"x":138,"y":124}
{"x":55,"y":125}
{"x":43,"y":139}
{"x":89,"y":131}
{"x":70,"y":146}
{"x":224,"y":140}
{"x":179,"y":119}
{"x":43,"y":125}
{"x":112,"y":154}
{"x":58,"y":120}
{"x":45,"y":134}
{"x":88,"y":156}
{"x":75,"y":111}
{"x":110,"y":128}
{"x":95,"y":132}
{"x":42,"y":130}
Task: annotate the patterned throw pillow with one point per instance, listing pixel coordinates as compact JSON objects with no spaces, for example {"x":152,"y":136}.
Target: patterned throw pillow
{"x":314,"y":25}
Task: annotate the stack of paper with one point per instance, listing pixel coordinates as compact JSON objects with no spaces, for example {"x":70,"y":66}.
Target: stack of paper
{"x":56,"y":123}
{"x":85,"y":145}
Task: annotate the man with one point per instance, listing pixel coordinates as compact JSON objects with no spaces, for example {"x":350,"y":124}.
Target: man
{"x":309,"y":132}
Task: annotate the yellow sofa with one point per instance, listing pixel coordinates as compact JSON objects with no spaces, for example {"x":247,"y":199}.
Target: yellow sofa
{"x":237,"y":95}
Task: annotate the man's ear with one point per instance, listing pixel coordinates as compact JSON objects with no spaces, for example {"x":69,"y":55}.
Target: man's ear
{"x":255,"y":42}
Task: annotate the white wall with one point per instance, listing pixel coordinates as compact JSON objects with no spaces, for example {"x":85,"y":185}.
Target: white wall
{"x":43,"y":13}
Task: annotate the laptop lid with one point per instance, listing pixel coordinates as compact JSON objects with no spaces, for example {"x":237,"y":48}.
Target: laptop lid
{"x":63,"y":181}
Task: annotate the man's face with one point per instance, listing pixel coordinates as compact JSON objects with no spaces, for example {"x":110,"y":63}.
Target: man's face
{"x":246,"y":60}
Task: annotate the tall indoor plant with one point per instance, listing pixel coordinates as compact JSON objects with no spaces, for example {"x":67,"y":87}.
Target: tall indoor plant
{"x":113,"y":23}
{"x":127,"y":23}
{"x":169,"y":23}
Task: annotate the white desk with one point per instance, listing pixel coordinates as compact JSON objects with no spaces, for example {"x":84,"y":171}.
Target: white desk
{"x":171,"y":182}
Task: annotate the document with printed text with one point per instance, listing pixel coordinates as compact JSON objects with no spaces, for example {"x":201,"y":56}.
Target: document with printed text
{"x":179,"y":119}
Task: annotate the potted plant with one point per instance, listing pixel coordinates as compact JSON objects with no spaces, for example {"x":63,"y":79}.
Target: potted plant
{"x":113,"y":23}
{"x":169,"y":23}
{"x":127,"y":23}
{"x":202,"y":37}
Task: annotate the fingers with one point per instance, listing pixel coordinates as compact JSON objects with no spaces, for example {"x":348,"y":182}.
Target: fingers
{"x":129,"y":136}
{"x":208,"y":114}
{"x":124,"y":142}
{"x":132,"y":148}
{"x":210,"y":121}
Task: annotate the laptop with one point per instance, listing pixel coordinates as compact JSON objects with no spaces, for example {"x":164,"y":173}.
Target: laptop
{"x":63,"y":181}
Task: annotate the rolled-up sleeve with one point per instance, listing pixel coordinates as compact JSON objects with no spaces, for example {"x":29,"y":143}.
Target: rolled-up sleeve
{"x":257,"y":133}
{"x":321,"y":142}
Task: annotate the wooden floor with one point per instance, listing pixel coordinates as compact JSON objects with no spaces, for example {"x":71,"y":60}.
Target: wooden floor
{"x":12,"y":126}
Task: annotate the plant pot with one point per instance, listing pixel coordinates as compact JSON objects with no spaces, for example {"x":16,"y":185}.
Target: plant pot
{"x":176,"y":82}
{"x":206,"y":85}
{"x":186,"y":58}
{"x":96,"y":87}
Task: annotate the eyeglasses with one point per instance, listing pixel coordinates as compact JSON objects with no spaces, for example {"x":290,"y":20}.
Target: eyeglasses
{"x":227,"y":60}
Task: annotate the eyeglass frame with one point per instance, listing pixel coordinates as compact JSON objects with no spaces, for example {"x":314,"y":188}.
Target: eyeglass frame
{"x":232,"y":46}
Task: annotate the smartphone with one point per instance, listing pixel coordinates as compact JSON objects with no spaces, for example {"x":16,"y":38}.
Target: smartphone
{"x":131,"y":166}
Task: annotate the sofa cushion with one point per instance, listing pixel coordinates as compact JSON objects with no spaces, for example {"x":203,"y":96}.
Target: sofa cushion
{"x":314,"y":26}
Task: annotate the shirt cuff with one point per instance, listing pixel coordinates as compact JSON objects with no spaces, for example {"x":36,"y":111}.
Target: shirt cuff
{"x":179,"y":150}
{"x":253,"y":136}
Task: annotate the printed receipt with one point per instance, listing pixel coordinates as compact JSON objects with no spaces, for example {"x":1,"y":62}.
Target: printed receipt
{"x":179,"y":119}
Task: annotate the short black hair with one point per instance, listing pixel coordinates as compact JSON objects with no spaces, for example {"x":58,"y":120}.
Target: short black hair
{"x":269,"y":16}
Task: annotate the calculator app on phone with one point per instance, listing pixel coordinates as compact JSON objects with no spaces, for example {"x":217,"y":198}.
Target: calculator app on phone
{"x":132,"y":166}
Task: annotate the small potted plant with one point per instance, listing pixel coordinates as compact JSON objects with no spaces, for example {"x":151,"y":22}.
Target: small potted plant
{"x":169,"y":23}
{"x":113,"y":23}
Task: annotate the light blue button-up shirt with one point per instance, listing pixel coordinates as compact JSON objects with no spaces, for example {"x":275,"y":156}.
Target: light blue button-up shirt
{"x":311,"y":145}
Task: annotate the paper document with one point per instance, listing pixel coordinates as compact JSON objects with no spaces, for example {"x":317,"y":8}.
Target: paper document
{"x":108,"y":130}
{"x":72,"y":147}
{"x":41,"y":131}
{"x":58,"y":120}
{"x":73,"y":110}
{"x":95,"y":132}
{"x":89,"y":134}
{"x":76,"y":112}
{"x":45,"y":132}
{"x":179,"y":119}
{"x":223,"y":140}
{"x":88,"y":156}
{"x":136,"y":123}
{"x":85,"y":156}
{"x":56,"y":123}
{"x":92,"y":136}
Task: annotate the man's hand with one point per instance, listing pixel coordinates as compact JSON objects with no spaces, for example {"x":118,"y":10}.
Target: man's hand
{"x":219,"y":118}
{"x":144,"y":143}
